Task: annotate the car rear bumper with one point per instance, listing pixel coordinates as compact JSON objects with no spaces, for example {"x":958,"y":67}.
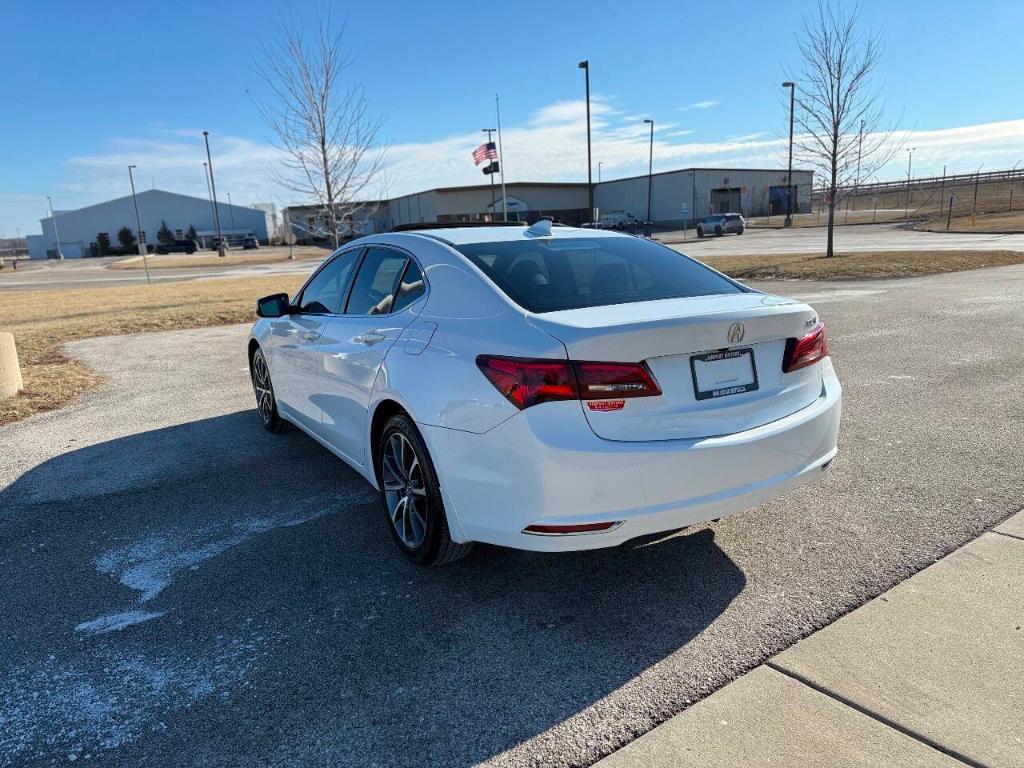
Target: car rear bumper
{"x":545,"y":466}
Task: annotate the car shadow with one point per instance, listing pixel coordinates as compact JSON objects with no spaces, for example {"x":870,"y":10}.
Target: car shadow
{"x":214,"y":586}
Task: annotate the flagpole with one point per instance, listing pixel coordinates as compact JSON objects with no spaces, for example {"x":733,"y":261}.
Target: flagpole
{"x":494,"y":200}
{"x":501,"y":161}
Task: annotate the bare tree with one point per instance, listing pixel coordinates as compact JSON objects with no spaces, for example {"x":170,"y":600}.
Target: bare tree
{"x":839,"y":116}
{"x":330,"y":142}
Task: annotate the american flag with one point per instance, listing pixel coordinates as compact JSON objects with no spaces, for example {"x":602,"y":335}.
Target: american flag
{"x":485,"y":151}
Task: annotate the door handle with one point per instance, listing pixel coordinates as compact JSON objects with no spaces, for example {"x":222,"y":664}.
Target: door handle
{"x":369,"y":338}
{"x":311,"y":335}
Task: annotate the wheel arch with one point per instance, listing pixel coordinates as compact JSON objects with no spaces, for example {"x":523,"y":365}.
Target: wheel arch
{"x":383,"y":410}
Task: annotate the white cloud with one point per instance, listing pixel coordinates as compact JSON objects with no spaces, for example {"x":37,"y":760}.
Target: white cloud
{"x":548,"y":146}
{"x":707,"y":104}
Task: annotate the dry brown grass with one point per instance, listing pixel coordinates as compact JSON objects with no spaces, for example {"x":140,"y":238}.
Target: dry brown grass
{"x":859,"y":264}
{"x":202,"y":259}
{"x":42,"y":321}
{"x":989,"y":222}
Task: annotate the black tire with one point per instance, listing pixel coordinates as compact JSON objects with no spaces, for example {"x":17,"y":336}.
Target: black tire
{"x":436,"y":547}
{"x":718,"y":231}
{"x":263,"y":388}
{"x":741,"y":231}
{"x":700,"y":232}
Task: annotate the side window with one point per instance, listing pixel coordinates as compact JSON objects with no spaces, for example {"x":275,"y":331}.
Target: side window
{"x":373,"y":292}
{"x":411,"y":287}
{"x":326,"y":291}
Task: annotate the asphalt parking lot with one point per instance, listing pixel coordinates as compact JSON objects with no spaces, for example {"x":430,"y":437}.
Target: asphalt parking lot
{"x":181,"y":587}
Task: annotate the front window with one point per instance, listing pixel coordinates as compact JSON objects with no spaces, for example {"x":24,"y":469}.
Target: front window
{"x":552,"y":274}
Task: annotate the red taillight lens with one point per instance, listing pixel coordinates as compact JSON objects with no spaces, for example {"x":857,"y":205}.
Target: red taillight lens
{"x":527,"y":382}
{"x":806,"y":351}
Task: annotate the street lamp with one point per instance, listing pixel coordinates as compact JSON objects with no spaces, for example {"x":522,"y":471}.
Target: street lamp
{"x":910,"y":157}
{"x":599,"y":164}
{"x":585,"y":66}
{"x":138,"y":224}
{"x":231,"y":211}
{"x":56,"y":232}
{"x":789,"y":172}
{"x":650,"y":170}
{"x":213,"y":194}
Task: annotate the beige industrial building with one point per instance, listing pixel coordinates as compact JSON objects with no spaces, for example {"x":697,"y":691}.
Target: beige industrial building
{"x":676,"y":198}
{"x":566,"y":203}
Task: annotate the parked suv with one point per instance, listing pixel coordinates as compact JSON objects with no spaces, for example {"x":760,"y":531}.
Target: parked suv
{"x":720,"y":224}
{"x":250,"y":243}
{"x":178,"y":246}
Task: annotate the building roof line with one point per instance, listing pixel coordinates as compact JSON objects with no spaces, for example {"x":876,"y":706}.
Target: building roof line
{"x":142,"y":193}
{"x":720,"y":170}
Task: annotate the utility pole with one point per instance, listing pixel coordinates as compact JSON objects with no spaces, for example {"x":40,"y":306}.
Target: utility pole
{"x":138,"y":224}
{"x":209,"y":196}
{"x":789,"y":172}
{"x":585,"y":66}
{"x":213,"y":194}
{"x":56,"y":232}
{"x":1013,"y":175}
{"x":650,"y":171}
{"x":910,"y":157}
{"x":494,"y":200}
{"x":599,"y":164}
{"x":974,"y":206}
{"x":231,"y":211}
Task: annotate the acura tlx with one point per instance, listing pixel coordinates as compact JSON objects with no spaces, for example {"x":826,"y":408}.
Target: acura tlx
{"x":545,"y":387}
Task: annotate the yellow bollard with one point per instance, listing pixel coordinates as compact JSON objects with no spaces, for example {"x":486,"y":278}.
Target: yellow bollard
{"x":10,"y":372}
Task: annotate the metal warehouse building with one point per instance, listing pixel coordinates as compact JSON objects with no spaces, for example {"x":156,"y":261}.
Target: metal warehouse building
{"x":79,"y":228}
{"x":566,"y":203}
{"x":693,"y":193}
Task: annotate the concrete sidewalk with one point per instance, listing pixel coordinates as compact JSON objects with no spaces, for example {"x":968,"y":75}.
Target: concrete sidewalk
{"x":931,"y":673}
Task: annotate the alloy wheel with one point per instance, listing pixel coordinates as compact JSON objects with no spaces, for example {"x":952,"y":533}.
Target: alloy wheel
{"x":404,"y":490}
{"x":264,"y":389}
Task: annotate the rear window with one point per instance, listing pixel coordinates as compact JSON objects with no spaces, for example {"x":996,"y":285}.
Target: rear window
{"x":569,"y":273}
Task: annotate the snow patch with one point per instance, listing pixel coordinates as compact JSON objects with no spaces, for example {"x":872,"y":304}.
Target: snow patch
{"x":117,"y":621}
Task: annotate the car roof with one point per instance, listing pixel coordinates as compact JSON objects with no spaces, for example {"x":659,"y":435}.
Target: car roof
{"x":470,"y":235}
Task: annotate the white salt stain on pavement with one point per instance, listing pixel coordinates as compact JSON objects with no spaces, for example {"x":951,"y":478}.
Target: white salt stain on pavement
{"x":150,"y":565}
{"x":117,"y":621}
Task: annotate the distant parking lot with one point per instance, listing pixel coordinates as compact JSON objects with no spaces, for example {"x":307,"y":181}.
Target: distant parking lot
{"x":182,"y":577}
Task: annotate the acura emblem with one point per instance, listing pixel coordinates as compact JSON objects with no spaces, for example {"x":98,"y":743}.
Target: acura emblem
{"x":735,"y":334}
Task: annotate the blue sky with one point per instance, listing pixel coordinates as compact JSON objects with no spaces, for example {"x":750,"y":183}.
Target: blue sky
{"x":90,"y":87}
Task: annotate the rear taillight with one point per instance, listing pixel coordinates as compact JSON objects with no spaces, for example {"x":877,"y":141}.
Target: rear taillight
{"x":806,"y":351}
{"x":527,"y":382}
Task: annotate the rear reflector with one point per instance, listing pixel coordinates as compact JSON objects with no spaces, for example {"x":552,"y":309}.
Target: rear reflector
{"x":806,"y":351}
{"x":602,"y":406}
{"x":525,"y":382}
{"x":563,"y":529}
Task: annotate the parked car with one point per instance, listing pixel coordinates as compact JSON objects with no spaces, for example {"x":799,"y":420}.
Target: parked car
{"x":546,"y":388}
{"x":250,"y":243}
{"x":215,"y":243}
{"x":721,"y":224}
{"x":178,"y":246}
{"x":617,"y":220}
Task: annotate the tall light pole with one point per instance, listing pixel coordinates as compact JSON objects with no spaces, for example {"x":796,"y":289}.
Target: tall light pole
{"x":599,"y":164}
{"x":585,"y":66}
{"x":494,"y":199}
{"x":56,"y":232}
{"x":231,"y":211}
{"x":650,"y":169}
{"x":1013,"y":175}
{"x":138,"y":224}
{"x":213,"y":193}
{"x":789,"y":171}
{"x":209,"y":194}
{"x":906,"y":205}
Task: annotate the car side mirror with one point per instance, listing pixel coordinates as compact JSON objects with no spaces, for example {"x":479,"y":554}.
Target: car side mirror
{"x":275,"y":305}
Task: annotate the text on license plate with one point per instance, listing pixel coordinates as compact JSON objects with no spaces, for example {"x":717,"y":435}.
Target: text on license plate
{"x":717,"y":374}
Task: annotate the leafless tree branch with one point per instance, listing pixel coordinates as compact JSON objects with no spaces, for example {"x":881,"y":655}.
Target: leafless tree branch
{"x":838,"y":114}
{"x":329,"y":140}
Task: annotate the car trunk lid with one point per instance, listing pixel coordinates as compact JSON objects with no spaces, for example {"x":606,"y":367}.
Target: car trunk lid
{"x":717,"y":360}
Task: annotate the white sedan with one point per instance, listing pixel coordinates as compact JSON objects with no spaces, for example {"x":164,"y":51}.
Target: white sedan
{"x":546,"y":388}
